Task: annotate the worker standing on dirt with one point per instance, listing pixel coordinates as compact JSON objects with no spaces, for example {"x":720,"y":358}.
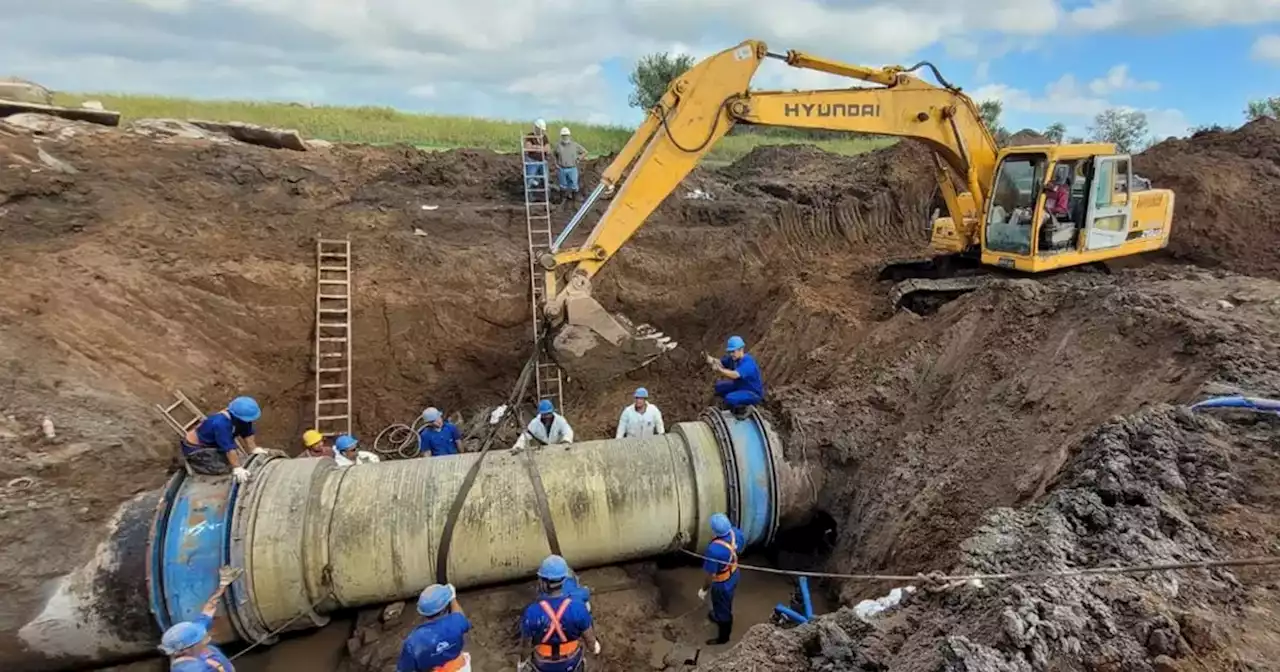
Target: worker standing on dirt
{"x":210,"y":447}
{"x":568,"y":154}
{"x":548,"y":428}
{"x":314,"y":445}
{"x":438,"y":436}
{"x":436,"y":645}
{"x":555,"y":626}
{"x":744,"y":386}
{"x":536,"y":145}
{"x":641,"y":419}
{"x":721,"y":567}
{"x":346,"y":452}
{"x":187,"y":643}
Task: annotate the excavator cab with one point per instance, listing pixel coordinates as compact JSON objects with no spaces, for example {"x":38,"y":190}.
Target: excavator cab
{"x":1059,"y":206}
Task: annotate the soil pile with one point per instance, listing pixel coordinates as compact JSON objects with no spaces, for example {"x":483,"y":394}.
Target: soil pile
{"x":993,"y":403}
{"x":1226,"y":184}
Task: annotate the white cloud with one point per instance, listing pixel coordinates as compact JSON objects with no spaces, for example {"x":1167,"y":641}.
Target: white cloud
{"x":519,"y":59}
{"x":1117,"y":79}
{"x":1149,"y":15}
{"x":1067,"y":101}
{"x":1267,"y":48}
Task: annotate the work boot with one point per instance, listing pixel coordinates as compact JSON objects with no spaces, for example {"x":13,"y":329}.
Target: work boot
{"x":722,"y":634}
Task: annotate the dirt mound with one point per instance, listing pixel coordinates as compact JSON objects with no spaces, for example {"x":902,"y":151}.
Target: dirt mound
{"x":1226,"y":184}
{"x":937,"y":424}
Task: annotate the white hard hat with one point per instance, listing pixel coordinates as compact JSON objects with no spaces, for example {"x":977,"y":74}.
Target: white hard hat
{"x":564,"y":131}
{"x":540,"y":124}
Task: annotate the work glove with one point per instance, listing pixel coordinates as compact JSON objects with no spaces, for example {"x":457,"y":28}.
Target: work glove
{"x":702,"y":594}
{"x":259,"y":451}
{"x":596,"y":649}
{"x":226,"y":575}
{"x":241,"y":474}
{"x":711,"y":361}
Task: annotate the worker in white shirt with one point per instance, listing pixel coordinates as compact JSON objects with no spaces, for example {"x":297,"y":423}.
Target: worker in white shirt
{"x":346,"y":452}
{"x":547,"y":428}
{"x":641,"y":419}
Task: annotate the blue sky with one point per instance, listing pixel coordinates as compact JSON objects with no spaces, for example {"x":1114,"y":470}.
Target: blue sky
{"x":1182,"y":62}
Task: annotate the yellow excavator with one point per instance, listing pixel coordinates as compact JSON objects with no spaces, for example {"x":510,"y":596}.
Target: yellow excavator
{"x":1006,"y":210}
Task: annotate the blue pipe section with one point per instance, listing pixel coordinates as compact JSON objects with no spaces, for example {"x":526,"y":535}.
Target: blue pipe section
{"x":1257,"y":404}
{"x":791,"y":614}
{"x":804,"y":595}
{"x":193,"y":542}
{"x":754,"y":482}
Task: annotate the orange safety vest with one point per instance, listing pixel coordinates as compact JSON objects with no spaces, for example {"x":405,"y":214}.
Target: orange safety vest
{"x":192,"y":439}
{"x":731,"y":566}
{"x":548,"y":650}
{"x":211,"y":663}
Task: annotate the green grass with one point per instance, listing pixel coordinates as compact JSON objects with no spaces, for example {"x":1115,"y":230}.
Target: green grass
{"x":382,"y":125}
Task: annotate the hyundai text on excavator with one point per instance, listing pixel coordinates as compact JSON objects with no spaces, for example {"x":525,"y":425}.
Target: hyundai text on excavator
{"x":1000,"y":217}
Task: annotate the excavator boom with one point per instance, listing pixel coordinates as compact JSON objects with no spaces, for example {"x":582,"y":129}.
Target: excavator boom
{"x":701,"y":106}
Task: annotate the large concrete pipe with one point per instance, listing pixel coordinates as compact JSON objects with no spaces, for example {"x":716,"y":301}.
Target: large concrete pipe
{"x":313,"y":537}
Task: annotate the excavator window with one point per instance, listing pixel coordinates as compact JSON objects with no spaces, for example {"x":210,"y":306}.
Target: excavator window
{"x":1011,"y":214}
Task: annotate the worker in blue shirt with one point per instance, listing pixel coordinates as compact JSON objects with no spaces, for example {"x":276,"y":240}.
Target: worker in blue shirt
{"x":187,"y":643}
{"x":557,"y":624}
{"x":436,"y":645}
{"x":721,"y":567}
{"x":743,"y":386}
{"x":438,"y":437}
{"x":210,"y":447}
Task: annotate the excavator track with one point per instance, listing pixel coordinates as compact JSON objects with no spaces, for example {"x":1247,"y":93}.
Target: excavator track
{"x":943,"y":279}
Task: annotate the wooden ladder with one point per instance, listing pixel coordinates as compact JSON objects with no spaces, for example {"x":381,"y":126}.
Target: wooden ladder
{"x":547,"y":376}
{"x":192,"y":414}
{"x":333,"y":337}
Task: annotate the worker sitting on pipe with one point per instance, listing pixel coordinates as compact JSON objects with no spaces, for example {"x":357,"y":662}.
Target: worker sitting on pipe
{"x":556,"y":625}
{"x":436,"y":645}
{"x":210,"y":447}
{"x":187,"y":643}
{"x":744,"y":387}
{"x":438,"y":436}
{"x":721,"y":567}
{"x":548,"y":428}
{"x":346,"y":452}
{"x":314,"y":445}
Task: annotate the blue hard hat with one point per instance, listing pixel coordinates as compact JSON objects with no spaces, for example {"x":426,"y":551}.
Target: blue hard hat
{"x":431,"y":414}
{"x":244,"y":409}
{"x":182,"y":636}
{"x":720,"y":524}
{"x":345,"y":442}
{"x":434,"y":599}
{"x":735,"y":343}
{"x":554,"y":568}
{"x":545,"y":407}
{"x":642,"y":393}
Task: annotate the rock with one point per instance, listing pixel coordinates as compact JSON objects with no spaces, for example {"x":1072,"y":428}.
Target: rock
{"x":24,"y":91}
{"x":46,"y":425}
{"x":1164,"y":664}
{"x":1225,"y":305}
{"x":92,"y":105}
{"x":353,"y":646}
{"x":62,"y":167}
{"x":43,"y":124}
{"x":319,"y":144}
{"x":173,"y":128}
{"x":1201,"y":633}
{"x":274,"y":138}
{"x":392,"y":611}
{"x":10,"y":108}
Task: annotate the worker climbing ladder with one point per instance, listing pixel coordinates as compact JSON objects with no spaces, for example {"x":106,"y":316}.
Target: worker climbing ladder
{"x":537,"y":211}
{"x":333,"y":337}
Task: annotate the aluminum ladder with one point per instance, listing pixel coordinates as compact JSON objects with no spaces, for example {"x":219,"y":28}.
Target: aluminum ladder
{"x":333,"y":337}
{"x":548,"y":379}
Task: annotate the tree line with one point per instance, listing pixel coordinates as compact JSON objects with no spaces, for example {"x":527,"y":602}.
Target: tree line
{"x":1129,"y":130}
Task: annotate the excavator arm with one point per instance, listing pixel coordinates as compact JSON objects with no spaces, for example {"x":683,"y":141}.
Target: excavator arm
{"x":697,"y":110}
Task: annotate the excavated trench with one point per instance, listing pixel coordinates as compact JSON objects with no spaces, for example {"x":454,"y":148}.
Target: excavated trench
{"x":1000,"y":418}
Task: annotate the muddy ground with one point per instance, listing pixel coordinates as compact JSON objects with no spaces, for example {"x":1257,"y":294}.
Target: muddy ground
{"x":1030,"y":425}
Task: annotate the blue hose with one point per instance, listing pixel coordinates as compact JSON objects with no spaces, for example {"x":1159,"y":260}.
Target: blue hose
{"x":1257,"y":404}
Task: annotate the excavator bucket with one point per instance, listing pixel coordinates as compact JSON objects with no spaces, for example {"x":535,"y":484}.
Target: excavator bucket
{"x":594,"y":344}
